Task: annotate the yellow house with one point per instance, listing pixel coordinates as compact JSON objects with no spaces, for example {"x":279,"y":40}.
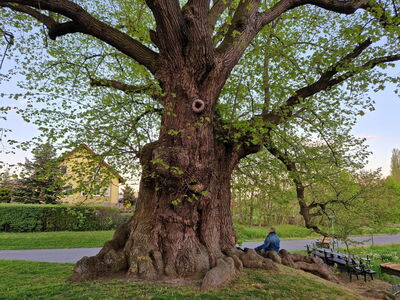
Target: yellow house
{"x":88,"y":179}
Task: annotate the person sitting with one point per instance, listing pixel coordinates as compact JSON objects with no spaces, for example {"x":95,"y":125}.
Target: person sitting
{"x":271,"y":243}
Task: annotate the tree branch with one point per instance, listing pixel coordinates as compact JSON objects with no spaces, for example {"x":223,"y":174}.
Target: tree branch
{"x":150,"y":89}
{"x":170,"y":33}
{"x":344,"y":7}
{"x":367,"y":66}
{"x":240,"y":33}
{"x":286,"y":110}
{"x":216,"y":11}
{"x":83,"y":22}
{"x":247,"y":21}
{"x":129,"y":89}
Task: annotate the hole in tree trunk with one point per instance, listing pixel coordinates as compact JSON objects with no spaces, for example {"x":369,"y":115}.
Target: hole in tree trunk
{"x":198,"y":105}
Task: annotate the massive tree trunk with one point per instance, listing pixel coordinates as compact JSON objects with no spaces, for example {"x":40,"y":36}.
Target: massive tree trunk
{"x":182,"y":226}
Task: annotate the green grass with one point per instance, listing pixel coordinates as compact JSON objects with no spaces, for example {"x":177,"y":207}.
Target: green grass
{"x":51,"y":240}
{"x":36,"y":280}
{"x":389,"y":229}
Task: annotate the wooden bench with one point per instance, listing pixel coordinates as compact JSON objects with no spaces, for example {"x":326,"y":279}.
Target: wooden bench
{"x":391,"y":269}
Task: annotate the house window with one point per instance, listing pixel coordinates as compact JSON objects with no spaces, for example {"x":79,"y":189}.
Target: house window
{"x":108,"y":192}
{"x":67,"y":188}
{"x":63,"y":170}
{"x":95,"y":192}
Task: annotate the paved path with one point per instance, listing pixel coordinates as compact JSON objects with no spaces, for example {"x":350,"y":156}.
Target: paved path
{"x":301,"y":244}
{"x":49,"y":255}
{"x":73,"y":255}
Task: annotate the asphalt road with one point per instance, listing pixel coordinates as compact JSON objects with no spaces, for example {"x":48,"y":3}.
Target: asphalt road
{"x":73,"y":255}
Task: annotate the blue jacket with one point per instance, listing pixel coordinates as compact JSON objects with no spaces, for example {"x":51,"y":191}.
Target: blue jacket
{"x":271,"y":243}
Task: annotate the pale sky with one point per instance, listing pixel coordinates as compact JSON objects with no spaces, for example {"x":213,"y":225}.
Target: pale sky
{"x":380,"y":127}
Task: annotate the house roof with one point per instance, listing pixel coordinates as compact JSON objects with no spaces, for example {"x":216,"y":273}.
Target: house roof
{"x":88,"y":149}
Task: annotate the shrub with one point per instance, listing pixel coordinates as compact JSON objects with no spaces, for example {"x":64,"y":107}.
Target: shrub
{"x":34,"y":217}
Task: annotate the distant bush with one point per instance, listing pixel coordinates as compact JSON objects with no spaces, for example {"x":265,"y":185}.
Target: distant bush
{"x":34,"y":217}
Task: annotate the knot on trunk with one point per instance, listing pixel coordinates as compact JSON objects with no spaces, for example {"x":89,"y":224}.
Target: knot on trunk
{"x":198,"y":105}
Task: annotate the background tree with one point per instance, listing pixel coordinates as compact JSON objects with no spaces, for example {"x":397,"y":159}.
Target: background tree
{"x":262,"y":192}
{"x":369,"y":205}
{"x":129,"y":198}
{"x":6,"y":182}
{"x":395,"y":164}
{"x":41,"y":179}
{"x":183,"y":103}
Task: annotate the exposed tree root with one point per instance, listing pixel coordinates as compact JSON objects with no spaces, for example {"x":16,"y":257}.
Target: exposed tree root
{"x":273,"y":256}
{"x":322,"y":271}
{"x":252,"y":260}
{"x":110,"y":259}
{"x":309,"y":264}
{"x":286,"y":258}
{"x":220,"y":274}
{"x":137,"y":261}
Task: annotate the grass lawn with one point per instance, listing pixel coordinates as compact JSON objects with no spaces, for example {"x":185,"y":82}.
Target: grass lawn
{"x":89,"y":239}
{"x":51,"y":240}
{"x":36,"y":280}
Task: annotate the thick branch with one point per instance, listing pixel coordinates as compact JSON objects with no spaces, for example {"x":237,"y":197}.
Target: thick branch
{"x":240,"y":33}
{"x":171,"y":28}
{"x":367,"y":66}
{"x":247,"y":21}
{"x":46,"y":20}
{"x":286,"y":110}
{"x":83,"y":22}
{"x":344,"y":7}
{"x":127,"y":88}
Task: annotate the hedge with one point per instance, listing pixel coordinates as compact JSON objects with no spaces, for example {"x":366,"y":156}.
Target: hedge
{"x":38,"y":217}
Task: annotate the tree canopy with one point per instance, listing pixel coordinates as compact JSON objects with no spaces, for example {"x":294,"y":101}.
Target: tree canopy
{"x":310,"y":62}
